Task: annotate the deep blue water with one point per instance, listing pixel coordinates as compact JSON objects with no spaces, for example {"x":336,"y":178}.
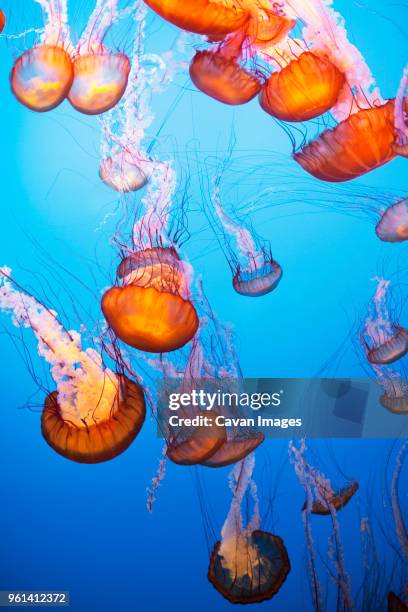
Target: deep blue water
{"x":85,"y":529}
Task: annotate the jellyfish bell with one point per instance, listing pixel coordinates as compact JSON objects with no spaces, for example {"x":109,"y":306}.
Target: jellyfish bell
{"x":42,"y":77}
{"x":152,"y":310}
{"x":305,"y":88}
{"x":393,"y":225}
{"x":233,"y":450}
{"x":202,"y":16}
{"x":266,"y":28}
{"x":335,"y":500}
{"x":123,"y":173}
{"x":100,"y":80}
{"x":196,"y":443}
{"x":102,"y":431}
{"x":391,"y":350}
{"x":260,"y":568}
{"x":258,"y":281}
{"x":221,"y":77}
{"x":361,"y":143}
{"x":397,"y":404}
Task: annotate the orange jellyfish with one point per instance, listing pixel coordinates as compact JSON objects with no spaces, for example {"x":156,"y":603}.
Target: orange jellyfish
{"x":97,"y":435}
{"x":2,"y":21}
{"x":152,"y":310}
{"x":215,"y":19}
{"x":41,"y":77}
{"x":304,"y":89}
{"x":248,"y":565}
{"x":354,"y":147}
{"x":390,"y":350}
{"x":219,"y":74}
{"x":266,"y":28}
{"x":100,"y":80}
{"x":334,"y":500}
{"x":95,"y":414}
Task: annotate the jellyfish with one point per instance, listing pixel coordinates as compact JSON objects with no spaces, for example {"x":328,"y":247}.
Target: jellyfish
{"x":401,"y":118}
{"x":321,"y":497}
{"x":125,"y":165}
{"x":384,"y":344}
{"x":248,"y":565}
{"x":393,"y":225}
{"x":331,"y":499}
{"x":152,"y":309}
{"x":100,"y":75}
{"x":2,"y":21}
{"x":95,"y":414}
{"x":305,"y":88}
{"x":42,"y":76}
{"x":215,"y":19}
{"x":267,"y":27}
{"x":361,"y":143}
{"x":219,"y":74}
{"x":255,"y":272}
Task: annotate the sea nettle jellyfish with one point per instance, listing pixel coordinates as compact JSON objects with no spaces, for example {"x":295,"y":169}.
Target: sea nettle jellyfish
{"x":393,"y":225}
{"x":125,"y":165}
{"x":255,"y":272}
{"x":303,"y":89}
{"x":248,"y":565}
{"x":266,"y":27}
{"x":42,"y":76}
{"x":100,"y":76}
{"x":401,"y":117}
{"x":329,"y":499}
{"x":215,"y":19}
{"x":95,"y":414}
{"x":219,"y":74}
{"x":386,"y":343}
{"x":152,"y":310}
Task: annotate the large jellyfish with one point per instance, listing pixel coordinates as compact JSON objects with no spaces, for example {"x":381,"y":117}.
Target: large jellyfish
{"x":248,"y":565}
{"x":42,"y":76}
{"x":100,"y":75}
{"x":385,"y":343}
{"x":401,"y":117}
{"x":125,"y":165}
{"x":255,"y":272}
{"x":95,"y":414}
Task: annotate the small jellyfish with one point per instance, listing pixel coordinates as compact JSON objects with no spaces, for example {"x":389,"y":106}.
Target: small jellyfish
{"x":357,"y":145}
{"x":266,"y":27}
{"x":393,"y":225}
{"x":95,"y":414}
{"x":255,"y":271}
{"x":392,"y":349}
{"x":201,"y":16}
{"x":123,"y":172}
{"x":2,"y":21}
{"x":303,"y":89}
{"x":219,"y":75}
{"x":42,"y":77}
{"x":330,"y":499}
{"x":152,"y":310}
{"x":248,"y":565}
